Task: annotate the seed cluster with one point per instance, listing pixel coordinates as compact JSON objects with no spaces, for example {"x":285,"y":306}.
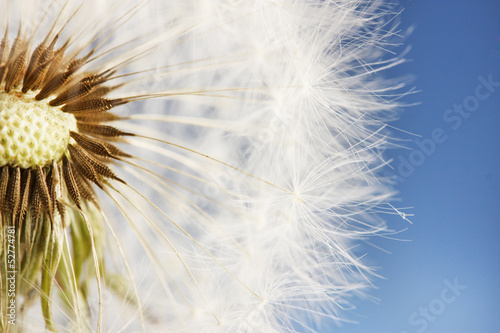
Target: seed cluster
{"x":56,"y":148}
{"x":56,"y":145}
{"x":52,"y":127}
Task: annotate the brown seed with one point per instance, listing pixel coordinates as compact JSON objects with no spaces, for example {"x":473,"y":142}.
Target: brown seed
{"x":70,"y":181}
{"x":15,"y":71}
{"x":97,"y":117}
{"x":96,"y":165}
{"x":26,"y":184}
{"x":101,"y":130}
{"x":83,"y":165}
{"x":14,"y":191}
{"x":98,"y":147}
{"x":4,"y":184}
{"x":43,"y":191}
{"x":93,"y":105}
{"x":85,"y":188}
{"x":78,"y":90}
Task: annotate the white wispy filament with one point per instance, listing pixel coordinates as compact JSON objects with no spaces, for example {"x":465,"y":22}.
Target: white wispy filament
{"x":260,"y":127}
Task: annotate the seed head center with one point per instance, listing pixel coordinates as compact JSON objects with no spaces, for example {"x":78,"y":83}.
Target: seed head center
{"x":32,"y":132}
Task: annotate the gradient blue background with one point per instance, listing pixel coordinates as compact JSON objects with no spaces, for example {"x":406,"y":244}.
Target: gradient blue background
{"x":455,"y":192}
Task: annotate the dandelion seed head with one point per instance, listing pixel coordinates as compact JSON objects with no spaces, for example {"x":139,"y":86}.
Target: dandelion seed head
{"x":216,"y":165}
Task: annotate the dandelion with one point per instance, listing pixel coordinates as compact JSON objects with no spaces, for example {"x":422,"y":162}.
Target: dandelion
{"x":190,"y":166}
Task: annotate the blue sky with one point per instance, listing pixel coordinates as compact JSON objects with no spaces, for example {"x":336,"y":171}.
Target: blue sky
{"x":454,"y":187}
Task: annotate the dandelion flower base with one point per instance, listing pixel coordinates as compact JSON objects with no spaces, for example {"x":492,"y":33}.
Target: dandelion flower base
{"x":32,"y":133}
